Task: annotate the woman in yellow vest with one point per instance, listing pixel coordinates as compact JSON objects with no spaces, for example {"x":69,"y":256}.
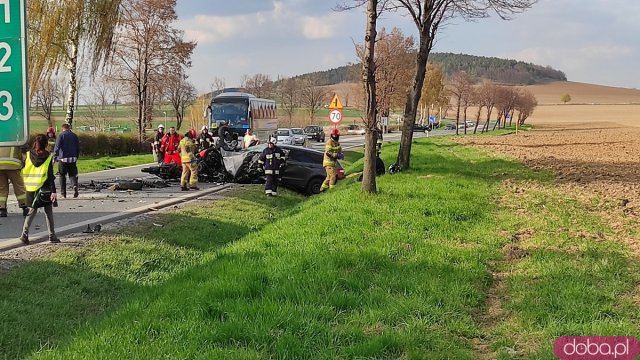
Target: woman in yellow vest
{"x":38,"y":174}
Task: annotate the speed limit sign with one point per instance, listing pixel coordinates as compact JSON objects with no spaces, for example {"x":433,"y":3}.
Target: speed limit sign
{"x":335,"y":116}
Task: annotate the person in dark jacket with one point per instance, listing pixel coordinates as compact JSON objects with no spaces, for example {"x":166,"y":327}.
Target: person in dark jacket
{"x":157,"y":142}
{"x":205,"y":139}
{"x":66,"y":154}
{"x":38,"y":174}
{"x":270,"y":162}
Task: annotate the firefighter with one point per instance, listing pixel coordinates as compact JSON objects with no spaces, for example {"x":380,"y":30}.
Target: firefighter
{"x":332,"y":152}
{"x":205,"y":139}
{"x":10,"y":170}
{"x":189,"y":179}
{"x":157,"y":143}
{"x":170,"y":145}
{"x":51,"y":139}
{"x":270,"y":162}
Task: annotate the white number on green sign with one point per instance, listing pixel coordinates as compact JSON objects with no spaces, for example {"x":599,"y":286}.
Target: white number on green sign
{"x":5,"y":104}
{"x":7,"y":13}
{"x":4,"y":58}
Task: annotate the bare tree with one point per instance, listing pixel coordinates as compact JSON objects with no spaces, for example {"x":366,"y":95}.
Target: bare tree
{"x":100,"y":91}
{"x":217,"y":85}
{"x":259,"y":85}
{"x":116,"y":90}
{"x":47,"y":95}
{"x":312,"y":96}
{"x":288,"y":91}
{"x":525,"y":105}
{"x":393,"y":68}
{"x":459,"y":85}
{"x":488,"y":98}
{"x":181,"y":94}
{"x":59,"y":29}
{"x":149,"y":48}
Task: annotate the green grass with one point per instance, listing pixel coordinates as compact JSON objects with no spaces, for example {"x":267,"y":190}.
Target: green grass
{"x":402,"y":274}
{"x":86,"y":165}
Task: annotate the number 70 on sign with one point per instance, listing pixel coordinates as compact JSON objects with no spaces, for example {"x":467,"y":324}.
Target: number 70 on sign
{"x":335,"y":116}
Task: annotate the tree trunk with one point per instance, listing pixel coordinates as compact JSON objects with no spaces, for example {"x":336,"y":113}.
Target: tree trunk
{"x":458,"y":115}
{"x":413,"y":98}
{"x":368,"y":72}
{"x":72,"y":66}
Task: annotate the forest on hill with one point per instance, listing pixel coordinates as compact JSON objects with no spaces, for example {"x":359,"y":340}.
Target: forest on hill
{"x":479,"y":67}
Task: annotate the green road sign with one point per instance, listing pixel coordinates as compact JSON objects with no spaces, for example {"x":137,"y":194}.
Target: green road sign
{"x":14,"y":111}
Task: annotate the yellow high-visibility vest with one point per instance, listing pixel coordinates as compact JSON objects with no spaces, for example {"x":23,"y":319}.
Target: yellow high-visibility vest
{"x":35,"y":176}
{"x":331,"y":151}
{"x":10,"y":158}
{"x":186,"y":150}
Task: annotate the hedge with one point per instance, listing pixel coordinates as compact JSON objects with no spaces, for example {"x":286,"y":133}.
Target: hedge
{"x":101,"y":144}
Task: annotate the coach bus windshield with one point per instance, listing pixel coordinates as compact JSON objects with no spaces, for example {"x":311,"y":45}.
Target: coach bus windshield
{"x":234,"y":112}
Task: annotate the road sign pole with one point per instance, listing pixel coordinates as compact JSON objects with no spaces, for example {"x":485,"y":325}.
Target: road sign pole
{"x":14,"y":109}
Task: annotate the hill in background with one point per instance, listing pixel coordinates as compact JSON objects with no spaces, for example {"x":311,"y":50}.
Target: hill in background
{"x":480,"y":67}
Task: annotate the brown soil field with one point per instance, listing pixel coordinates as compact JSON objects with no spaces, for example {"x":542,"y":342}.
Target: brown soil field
{"x":594,"y":161}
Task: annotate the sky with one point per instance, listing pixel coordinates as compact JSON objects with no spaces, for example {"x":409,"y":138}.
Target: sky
{"x":591,"y":41}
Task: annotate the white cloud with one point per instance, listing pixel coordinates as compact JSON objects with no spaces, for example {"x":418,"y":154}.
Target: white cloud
{"x":210,"y":29}
{"x":318,"y":27}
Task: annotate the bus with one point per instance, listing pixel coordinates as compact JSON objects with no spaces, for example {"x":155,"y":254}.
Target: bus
{"x":241,"y":111}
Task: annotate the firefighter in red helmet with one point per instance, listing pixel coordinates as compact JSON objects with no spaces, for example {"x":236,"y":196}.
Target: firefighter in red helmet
{"x":51,"y":139}
{"x":332,"y":152}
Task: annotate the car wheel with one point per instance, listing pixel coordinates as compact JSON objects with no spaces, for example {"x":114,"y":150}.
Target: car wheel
{"x":314,"y":185}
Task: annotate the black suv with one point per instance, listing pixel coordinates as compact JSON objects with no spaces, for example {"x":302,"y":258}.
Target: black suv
{"x":304,"y":171}
{"x":314,"y":132}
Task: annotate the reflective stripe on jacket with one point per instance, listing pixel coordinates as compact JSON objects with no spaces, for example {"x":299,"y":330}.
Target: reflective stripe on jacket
{"x":35,"y":176}
{"x":331,"y":151}
{"x":271,"y":159}
{"x":187,"y":148}
{"x":10,"y":158}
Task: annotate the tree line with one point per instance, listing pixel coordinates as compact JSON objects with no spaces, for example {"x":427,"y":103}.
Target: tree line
{"x":125,"y":48}
{"x":499,"y":70}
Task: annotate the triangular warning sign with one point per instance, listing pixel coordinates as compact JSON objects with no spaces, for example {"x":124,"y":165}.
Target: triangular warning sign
{"x":335,"y":103}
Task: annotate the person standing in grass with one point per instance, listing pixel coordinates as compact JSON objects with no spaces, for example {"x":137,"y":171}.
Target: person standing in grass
{"x":66,"y":154}
{"x":189,"y":166}
{"x":38,"y":175}
{"x":270,"y":162}
{"x":332,"y":152}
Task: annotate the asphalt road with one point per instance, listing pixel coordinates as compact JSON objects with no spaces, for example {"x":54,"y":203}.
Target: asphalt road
{"x":96,"y":206}
{"x":103,"y":206}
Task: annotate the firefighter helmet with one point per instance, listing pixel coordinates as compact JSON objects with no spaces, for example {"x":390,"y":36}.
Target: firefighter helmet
{"x":161,"y":126}
{"x":335,"y":134}
{"x":51,"y":130}
{"x":192,"y":133}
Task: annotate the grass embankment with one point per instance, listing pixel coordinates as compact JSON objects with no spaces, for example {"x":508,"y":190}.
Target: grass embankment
{"x":408,"y":273}
{"x":108,"y":162}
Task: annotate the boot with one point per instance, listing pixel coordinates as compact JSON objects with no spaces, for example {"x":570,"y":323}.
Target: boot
{"x":63,"y":186}
{"x":3,"y":212}
{"x":24,"y":238}
{"x":184,"y":188}
{"x":54,"y":239}
{"x":74,"y":182}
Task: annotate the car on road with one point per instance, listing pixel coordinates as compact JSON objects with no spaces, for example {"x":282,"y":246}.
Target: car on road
{"x":421,"y":128}
{"x":299,"y":137}
{"x":469,"y":123}
{"x":304,"y":171}
{"x":450,"y":127}
{"x":355,"y":130}
{"x":293,"y":136}
{"x":314,"y":132}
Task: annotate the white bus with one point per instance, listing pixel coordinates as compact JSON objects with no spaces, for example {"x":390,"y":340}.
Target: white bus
{"x":241,"y":111}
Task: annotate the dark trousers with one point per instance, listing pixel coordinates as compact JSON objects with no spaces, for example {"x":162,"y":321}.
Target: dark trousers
{"x":271,"y":185}
{"x":65,"y":169}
